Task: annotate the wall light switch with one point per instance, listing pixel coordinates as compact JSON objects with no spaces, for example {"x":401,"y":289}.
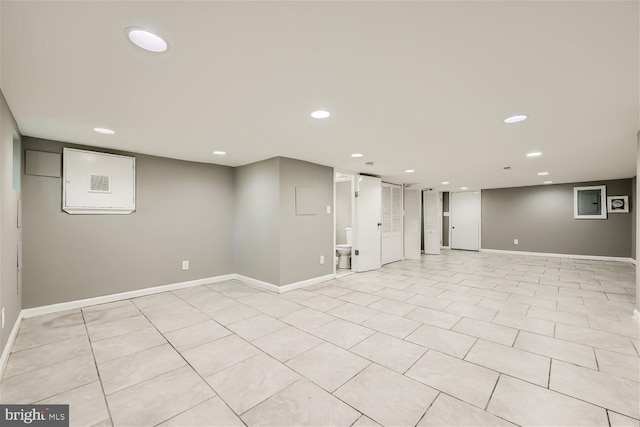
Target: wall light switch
{"x":515,"y":241}
{"x":321,"y":259}
{"x":328,"y":209}
{"x":185,"y":265}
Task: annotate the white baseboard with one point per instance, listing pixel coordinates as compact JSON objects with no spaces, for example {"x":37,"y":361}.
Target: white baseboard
{"x":257,"y":283}
{"x":70,"y":305}
{"x":633,"y":261}
{"x":308,"y":282}
{"x":284,"y":288}
{"x":552,"y":255}
{"x":7,"y":348}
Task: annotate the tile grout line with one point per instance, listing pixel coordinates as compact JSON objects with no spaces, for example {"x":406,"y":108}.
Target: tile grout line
{"x":95,"y":362}
{"x":492,"y":391}
{"x":188,"y":364}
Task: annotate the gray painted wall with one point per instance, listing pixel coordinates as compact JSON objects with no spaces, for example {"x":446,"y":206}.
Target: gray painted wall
{"x":343,"y":211}
{"x":272,"y":243}
{"x":256,"y":246}
{"x":541,"y":218}
{"x":637,"y":213}
{"x":10,"y":235}
{"x":632,"y":207}
{"x":304,"y":238}
{"x":184,"y":211}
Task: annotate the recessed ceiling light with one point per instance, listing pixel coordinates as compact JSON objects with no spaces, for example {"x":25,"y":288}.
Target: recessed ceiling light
{"x":463,"y":188}
{"x":104,"y":131}
{"x":219,"y":153}
{"x":320,"y":114}
{"x":147,"y":40}
{"x":445,"y":182}
{"x":357,"y":155}
{"x":409,"y":171}
{"x":534,"y":154}
{"x":515,"y":119}
{"x":548,"y":182}
{"x":543,"y":173}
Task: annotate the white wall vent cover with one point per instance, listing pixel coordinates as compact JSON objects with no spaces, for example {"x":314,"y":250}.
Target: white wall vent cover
{"x":98,"y":183}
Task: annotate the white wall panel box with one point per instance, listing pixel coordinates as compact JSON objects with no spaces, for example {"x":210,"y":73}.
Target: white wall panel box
{"x":98,"y":183}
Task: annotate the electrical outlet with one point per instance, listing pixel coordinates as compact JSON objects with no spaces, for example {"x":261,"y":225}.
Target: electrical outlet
{"x":321,"y":259}
{"x":515,"y":241}
{"x":2,"y":326}
{"x":185,"y":265}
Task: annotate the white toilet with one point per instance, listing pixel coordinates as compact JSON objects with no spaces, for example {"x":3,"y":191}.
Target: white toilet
{"x":344,"y":251}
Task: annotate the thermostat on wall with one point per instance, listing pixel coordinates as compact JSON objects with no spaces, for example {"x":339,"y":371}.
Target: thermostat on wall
{"x":98,"y":183}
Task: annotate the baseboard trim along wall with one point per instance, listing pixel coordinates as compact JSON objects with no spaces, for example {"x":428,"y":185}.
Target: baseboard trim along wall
{"x":551,"y":255}
{"x":70,"y":305}
{"x":284,"y":288}
{"x":7,"y":348}
{"x":633,"y":261}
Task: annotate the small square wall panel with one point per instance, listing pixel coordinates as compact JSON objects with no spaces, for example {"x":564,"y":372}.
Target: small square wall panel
{"x":41,"y":163}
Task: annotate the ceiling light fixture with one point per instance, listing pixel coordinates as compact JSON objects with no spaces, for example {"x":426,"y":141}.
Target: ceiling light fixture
{"x":147,"y":40}
{"x":357,"y":155}
{"x":515,"y":119}
{"x":320,"y":114}
{"x":534,"y":154}
{"x":445,"y":182}
{"x":104,"y":131}
{"x":543,"y":173}
{"x":548,"y":182}
{"x":219,"y":153}
{"x":409,"y":171}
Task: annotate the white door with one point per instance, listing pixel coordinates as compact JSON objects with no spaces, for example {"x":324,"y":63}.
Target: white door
{"x":412,"y":228}
{"x":431,"y":202}
{"x":365,"y":253}
{"x":465,"y":220}
{"x":392,"y":216}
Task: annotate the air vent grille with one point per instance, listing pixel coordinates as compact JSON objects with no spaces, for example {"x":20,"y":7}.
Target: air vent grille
{"x":100,"y":183}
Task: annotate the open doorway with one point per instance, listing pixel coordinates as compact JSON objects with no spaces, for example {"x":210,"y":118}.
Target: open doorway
{"x":344,"y":210}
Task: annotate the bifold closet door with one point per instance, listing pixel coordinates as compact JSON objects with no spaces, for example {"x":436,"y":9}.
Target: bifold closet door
{"x":392,"y":216}
{"x":412,"y":207}
{"x":431,"y":200}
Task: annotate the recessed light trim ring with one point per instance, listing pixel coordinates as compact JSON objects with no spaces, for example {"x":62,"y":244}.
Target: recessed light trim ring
{"x":147,"y":40}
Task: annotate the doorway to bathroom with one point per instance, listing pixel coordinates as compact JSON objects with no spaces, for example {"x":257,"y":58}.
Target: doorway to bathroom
{"x":344,"y":217}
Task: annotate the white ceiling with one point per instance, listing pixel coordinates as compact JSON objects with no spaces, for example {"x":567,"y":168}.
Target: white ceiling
{"x":412,"y":85}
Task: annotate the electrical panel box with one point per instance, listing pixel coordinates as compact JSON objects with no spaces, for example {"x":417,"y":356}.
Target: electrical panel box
{"x":98,"y":183}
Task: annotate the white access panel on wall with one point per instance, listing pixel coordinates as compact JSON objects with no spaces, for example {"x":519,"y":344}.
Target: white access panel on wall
{"x":98,"y":183}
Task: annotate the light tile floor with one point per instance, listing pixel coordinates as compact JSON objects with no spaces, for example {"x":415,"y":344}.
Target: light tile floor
{"x":464,"y":338}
